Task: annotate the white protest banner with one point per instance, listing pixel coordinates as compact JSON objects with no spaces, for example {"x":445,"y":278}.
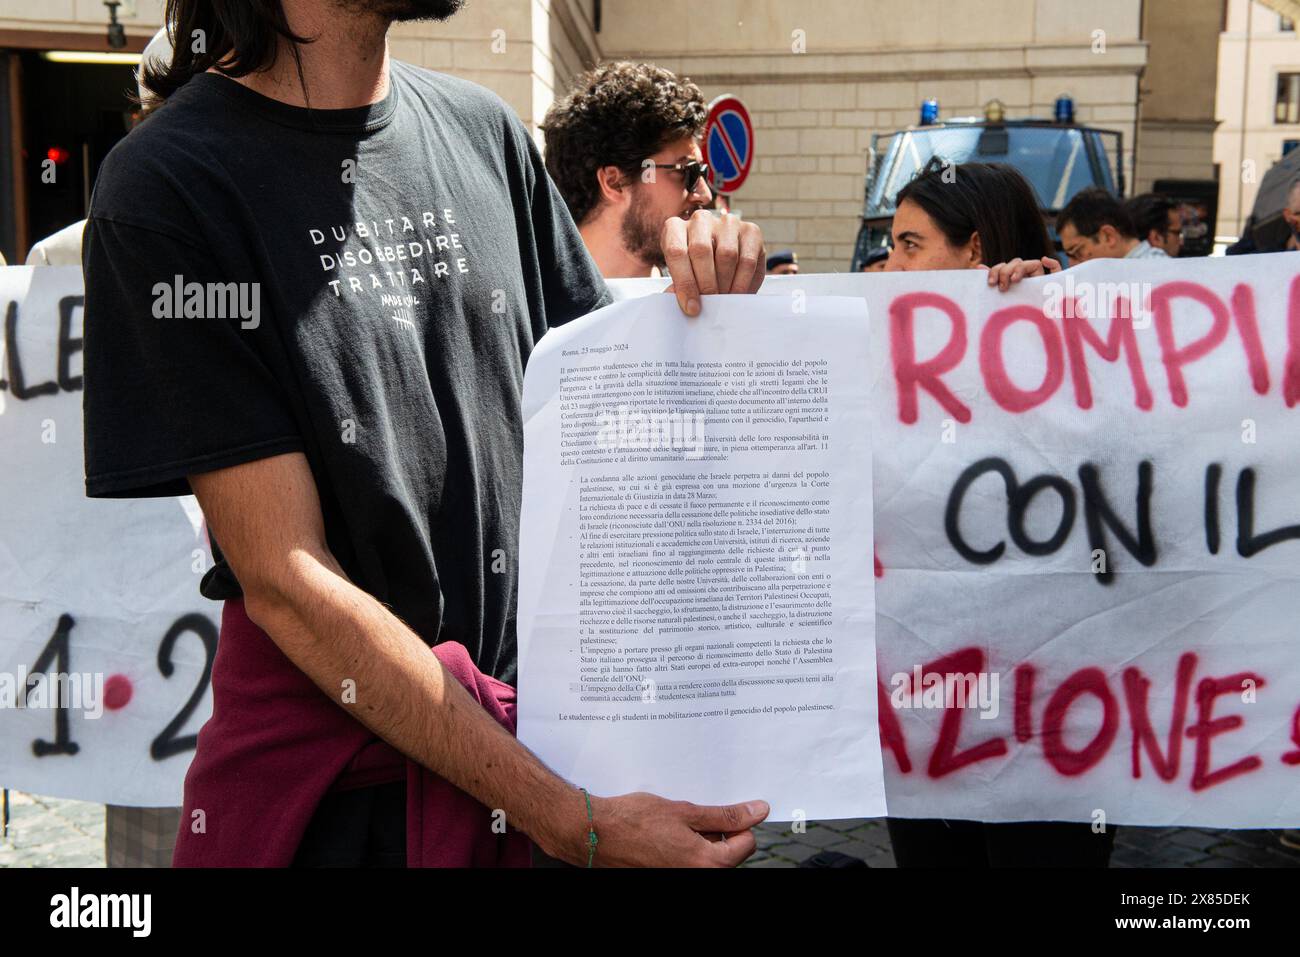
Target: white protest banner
{"x":106,"y":645}
{"x":694,"y":542}
{"x":1096,"y":523}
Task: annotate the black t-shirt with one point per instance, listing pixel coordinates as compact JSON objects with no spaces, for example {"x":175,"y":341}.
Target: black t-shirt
{"x":392,"y":268}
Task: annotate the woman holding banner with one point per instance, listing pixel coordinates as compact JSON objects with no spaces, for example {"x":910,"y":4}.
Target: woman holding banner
{"x":982,"y":216}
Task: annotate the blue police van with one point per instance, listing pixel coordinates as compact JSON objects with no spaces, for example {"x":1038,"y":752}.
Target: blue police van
{"x":1058,"y":157}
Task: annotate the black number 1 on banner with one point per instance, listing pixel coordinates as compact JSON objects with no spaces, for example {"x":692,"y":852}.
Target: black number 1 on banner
{"x":56,"y":651}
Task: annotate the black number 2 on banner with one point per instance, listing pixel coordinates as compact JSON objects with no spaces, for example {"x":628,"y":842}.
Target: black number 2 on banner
{"x":167,"y":743}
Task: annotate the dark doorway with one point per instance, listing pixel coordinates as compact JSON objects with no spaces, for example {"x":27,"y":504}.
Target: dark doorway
{"x":72,"y":115}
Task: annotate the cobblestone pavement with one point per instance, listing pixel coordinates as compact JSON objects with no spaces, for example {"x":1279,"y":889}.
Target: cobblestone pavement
{"x":868,"y":840}
{"x":51,"y":832}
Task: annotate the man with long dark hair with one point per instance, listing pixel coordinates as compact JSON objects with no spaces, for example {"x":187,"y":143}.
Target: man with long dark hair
{"x":318,"y":322}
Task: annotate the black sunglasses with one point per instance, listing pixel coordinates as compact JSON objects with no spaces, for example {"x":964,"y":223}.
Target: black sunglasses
{"x":692,"y":172}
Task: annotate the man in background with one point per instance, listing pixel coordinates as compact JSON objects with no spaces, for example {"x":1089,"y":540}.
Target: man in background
{"x":783,"y":263}
{"x":623,"y":149}
{"x":1291,"y":213}
{"x":1095,"y":225}
{"x":1158,"y":220}
{"x":875,"y":260}
{"x":1249,"y":241}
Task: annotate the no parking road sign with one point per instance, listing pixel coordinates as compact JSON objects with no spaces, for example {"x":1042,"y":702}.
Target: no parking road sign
{"x":728,"y":144}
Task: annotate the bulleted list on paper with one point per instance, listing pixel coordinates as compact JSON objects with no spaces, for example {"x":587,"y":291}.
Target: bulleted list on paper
{"x":696,"y":612}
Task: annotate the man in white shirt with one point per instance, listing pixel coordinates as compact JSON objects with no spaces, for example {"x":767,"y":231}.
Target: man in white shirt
{"x":1095,"y":225}
{"x":62,"y":248}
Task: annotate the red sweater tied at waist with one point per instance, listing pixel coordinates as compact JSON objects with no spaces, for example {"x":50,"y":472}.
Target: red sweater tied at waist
{"x":275,"y":745}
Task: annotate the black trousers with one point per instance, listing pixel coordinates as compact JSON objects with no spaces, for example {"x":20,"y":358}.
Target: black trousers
{"x":364,"y":827}
{"x":975,"y":844}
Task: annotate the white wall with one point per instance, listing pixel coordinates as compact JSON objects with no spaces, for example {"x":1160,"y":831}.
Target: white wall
{"x":1248,"y":142}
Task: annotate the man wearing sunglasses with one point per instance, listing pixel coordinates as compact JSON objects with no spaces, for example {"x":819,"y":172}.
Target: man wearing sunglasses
{"x":623,"y":148}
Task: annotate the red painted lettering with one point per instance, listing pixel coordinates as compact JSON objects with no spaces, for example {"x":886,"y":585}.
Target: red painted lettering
{"x":1293,"y":757}
{"x":1243,"y":313}
{"x":1173,"y":355}
{"x":1024,"y":720}
{"x":1208,"y":727}
{"x":891,"y":732}
{"x":1068,"y":762}
{"x":1291,"y":375}
{"x":945,"y":759}
{"x":1120,"y":337}
{"x":1136,"y":687}
{"x":910,"y":374}
{"x":1003,"y":391}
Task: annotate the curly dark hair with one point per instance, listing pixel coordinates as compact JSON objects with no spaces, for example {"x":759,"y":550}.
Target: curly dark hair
{"x":616,"y":115}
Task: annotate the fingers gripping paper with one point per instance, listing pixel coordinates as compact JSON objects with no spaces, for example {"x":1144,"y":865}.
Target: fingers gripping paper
{"x":695,"y":615}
